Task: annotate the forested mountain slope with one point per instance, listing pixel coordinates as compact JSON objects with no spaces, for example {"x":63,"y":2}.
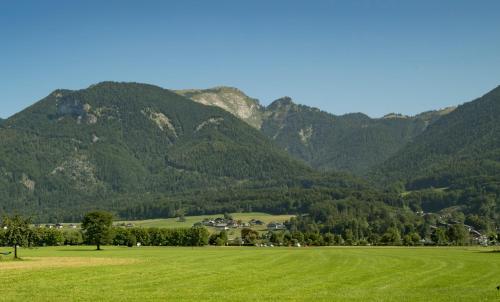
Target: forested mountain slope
{"x":464,"y":144}
{"x":145,"y":152}
{"x":74,"y":150}
{"x":454,"y":166}
{"x":353,"y":142}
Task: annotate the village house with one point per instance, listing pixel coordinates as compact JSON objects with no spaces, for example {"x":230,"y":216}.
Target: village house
{"x":274,"y":226}
{"x":256,"y":222}
{"x":208,"y":222}
{"x":233,"y":224}
{"x":221,"y":227}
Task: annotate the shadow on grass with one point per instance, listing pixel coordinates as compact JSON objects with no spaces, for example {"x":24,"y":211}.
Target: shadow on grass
{"x":489,"y":252}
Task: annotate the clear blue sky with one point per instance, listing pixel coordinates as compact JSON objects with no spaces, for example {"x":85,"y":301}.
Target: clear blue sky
{"x":341,"y":56}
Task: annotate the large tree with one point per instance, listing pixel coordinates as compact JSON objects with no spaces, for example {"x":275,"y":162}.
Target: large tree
{"x":97,"y":227}
{"x":17,"y":231}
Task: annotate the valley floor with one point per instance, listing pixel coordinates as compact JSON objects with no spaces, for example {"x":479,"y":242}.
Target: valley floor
{"x":246,"y":274}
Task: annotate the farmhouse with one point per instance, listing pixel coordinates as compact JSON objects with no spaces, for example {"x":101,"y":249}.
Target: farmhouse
{"x":222,"y":226}
{"x":256,"y":222}
{"x":208,"y":222}
{"x":233,"y":224}
{"x":273,"y":226}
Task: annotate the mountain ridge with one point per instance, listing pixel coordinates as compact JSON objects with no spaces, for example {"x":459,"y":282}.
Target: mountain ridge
{"x":466,"y":135}
{"x":143,"y":151}
{"x":112,"y":140}
{"x":352,"y":142}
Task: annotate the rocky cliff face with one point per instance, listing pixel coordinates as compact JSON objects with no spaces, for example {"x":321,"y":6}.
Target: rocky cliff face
{"x":230,"y":99}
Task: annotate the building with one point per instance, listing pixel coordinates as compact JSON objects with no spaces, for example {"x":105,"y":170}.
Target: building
{"x":274,"y":226}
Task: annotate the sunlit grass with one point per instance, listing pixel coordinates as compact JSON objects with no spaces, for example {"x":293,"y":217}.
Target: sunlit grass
{"x":262,"y":274}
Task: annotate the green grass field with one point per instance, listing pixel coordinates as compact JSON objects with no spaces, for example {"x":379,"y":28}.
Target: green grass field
{"x":246,"y":274}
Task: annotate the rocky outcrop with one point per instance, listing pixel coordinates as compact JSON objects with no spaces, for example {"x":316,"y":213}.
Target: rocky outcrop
{"x":161,"y":120}
{"x":75,"y":108}
{"x":211,"y":121}
{"x":230,"y":99}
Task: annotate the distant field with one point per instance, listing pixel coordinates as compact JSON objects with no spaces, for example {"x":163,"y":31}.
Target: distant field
{"x":252,"y":274}
{"x":190,"y":220}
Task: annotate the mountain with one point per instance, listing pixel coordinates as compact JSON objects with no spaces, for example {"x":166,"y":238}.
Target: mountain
{"x":353,"y":143}
{"x":462,"y":145}
{"x":142,"y":151}
{"x":453,"y":167}
{"x":230,"y":99}
{"x":114,"y":144}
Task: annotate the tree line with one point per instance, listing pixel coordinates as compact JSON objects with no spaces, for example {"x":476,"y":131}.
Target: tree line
{"x":322,"y":227}
{"x":97,"y":229}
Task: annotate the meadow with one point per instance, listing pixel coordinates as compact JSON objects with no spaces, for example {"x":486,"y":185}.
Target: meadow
{"x":249,"y":273}
{"x":190,"y":220}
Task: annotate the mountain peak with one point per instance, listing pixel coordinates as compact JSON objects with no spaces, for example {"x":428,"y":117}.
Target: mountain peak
{"x":230,"y":99}
{"x":121,"y":85}
{"x":283,"y":102}
{"x":395,"y":116}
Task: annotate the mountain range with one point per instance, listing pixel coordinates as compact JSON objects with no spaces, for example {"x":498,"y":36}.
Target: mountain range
{"x":144,"y":151}
{"x":353,"y":143}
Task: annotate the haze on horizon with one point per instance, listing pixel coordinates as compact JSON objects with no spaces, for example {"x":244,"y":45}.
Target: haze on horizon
{"x":373,"y":57}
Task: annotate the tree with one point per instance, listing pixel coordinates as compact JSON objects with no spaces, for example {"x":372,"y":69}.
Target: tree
{"x":53,"y":237}
{"x":391,"y":237}
{"x":17,"y":231}
{"x":218,"y":239}
{"x":411,"y":239}
{"x":249,"y":236}
{"x":457,"y":234}
{"x":439,"y":237}
{"x":199,"y":236}
{"x":97,"y":227}
{"x":73,"y":237}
